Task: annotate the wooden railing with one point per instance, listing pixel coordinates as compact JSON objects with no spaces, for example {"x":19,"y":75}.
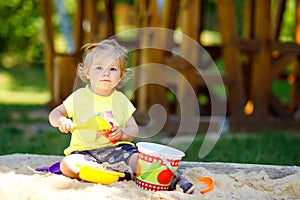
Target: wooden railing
{"x":251,"y":61}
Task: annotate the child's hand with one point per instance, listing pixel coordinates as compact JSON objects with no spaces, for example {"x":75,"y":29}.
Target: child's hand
{"x":116,"y":133}
{"x":66,"y":125}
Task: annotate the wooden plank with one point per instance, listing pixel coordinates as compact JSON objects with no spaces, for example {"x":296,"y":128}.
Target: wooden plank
{"x":78,"y":31}
{"x":280,"y":64}
{"x":243,"y":44}
{"x":260,"y":77}
{"x":91,"y":12}
{"x":169,"y":21}
{"x":191,"y":10}
{"x":60,"y":71}
{"x":191,"y":28}
{"x":295,"y":102}
{"x":170,"y":14}
{"x":251,"y":45}
{"x":248,"y":19}
{"x":181,"y":66}
{"x":177,"y":63}
{"x":64,"y":71}
{"x":147,"y":95}
{"x":110,"y":20}
{"x":285,"y":48}
{"x":141,"y":21}
{"x":228,"y":29}
{"x":166,"y":19}
{"x":213,"y":79}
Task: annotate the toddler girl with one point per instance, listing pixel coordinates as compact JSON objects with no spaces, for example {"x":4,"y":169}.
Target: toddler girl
{"x":103,"y":69}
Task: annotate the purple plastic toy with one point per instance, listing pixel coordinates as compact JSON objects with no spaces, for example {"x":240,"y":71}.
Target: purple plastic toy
{"x":55,"y":168}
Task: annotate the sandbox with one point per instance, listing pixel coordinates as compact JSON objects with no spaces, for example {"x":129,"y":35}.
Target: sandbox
{"x":19,"y":180}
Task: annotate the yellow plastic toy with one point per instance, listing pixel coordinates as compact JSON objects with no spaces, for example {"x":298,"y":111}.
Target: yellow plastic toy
{"x":97,"y":175}
{"x":97,"y":123}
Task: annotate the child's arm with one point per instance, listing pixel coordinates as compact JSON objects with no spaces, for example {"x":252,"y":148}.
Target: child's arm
{"x":58,"y":118}
{"x":129,"y":133}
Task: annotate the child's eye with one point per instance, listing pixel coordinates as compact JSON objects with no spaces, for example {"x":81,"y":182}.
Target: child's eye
{"x":113,"y":69}
{"x":99,"y":67}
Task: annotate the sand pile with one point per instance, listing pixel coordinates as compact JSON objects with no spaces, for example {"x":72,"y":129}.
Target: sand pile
{"x":19,"y":180}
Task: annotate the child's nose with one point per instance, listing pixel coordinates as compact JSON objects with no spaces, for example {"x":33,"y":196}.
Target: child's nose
{"x":106,"y":72}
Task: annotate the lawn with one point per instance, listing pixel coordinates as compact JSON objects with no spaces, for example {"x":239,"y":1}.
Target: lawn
{"x":24,"y":128}
{"x":23,"y":85}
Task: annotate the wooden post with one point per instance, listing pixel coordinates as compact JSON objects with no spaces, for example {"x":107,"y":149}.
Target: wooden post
{"x":230,"y":52}
{"x":296,"y":70}
{"x":110,"y":20}
{"x":248,"y":22}
{"x":78,"y":31}
{"x":64,"y":70}
{"x":191,"y":12}
{"x":148,"y":95}
{"x":60,"y":68}
{"x":92,"y":16}
{"x":248,"y":19}
{"x":170,"y":14}
{"x":260,"y":77}
{"x":280,"y":7}
{"x":46,"y":10}
{"x":169,"y":19}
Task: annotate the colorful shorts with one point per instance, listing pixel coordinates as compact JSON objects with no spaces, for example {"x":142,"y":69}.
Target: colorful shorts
{"x":111,"y":154}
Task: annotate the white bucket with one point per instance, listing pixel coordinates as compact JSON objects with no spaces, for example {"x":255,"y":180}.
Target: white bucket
{"x":152,"y":172}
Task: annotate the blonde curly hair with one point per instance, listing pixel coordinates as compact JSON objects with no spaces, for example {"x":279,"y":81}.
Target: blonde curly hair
{"x":110,"y":46}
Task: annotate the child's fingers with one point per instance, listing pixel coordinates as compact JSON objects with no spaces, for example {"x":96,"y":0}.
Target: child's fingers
{"x":114,"y":128}
{"x":116,"y":133}
{"x":66,"y":127}
{"x":71,"y":126}
{"x":62,"y":129}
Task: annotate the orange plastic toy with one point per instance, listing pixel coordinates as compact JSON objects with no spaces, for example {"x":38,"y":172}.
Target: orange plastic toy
{"x":208,"y":181}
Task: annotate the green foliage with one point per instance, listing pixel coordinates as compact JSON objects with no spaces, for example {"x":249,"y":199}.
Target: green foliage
{"x":130,"y":2}
{"x":281,"y":89}
{"x":288,"y":26}
{"x":21,"y":25}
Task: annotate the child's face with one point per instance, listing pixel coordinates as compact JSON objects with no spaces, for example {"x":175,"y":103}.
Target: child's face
{"x":104,"y":75}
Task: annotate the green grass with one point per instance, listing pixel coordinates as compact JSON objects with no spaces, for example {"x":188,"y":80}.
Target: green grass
{"x":23,"y":85}
{"x":13,"y":140}
{"x":266,"y":148}
{"x":22,"y":132}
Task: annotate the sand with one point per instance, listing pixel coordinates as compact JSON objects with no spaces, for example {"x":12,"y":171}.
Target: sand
{"x":19,"y":180}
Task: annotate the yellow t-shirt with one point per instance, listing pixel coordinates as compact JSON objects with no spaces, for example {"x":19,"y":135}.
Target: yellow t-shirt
{"x":83,"y":104}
